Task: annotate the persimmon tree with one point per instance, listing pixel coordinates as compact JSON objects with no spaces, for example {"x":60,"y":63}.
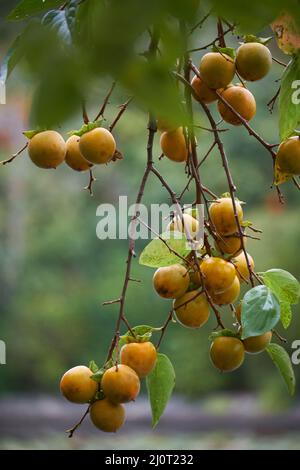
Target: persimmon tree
{"x":148,"y":52}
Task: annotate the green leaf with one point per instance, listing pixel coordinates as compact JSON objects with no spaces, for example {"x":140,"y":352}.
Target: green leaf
{"x":252,"y":38}
{"x":86,"y":128}
{"x":57,"y":21}
{"x":30,"y":134}
{"x":225,"y":50}
{"x":289,"y":99}
{"x":246,"y":223}
{"x":225,"y":332}
{"x":141,"y":333}
{"x":27,"y":8}
{"x":97,"y":376}
{"x":156,"y":254}
{"x":93,"y":366}
{"x":260,"y":311}
{"x":13,"y":56}
{"x":282,"y":361}
{"x":285,"y":314}
{"x":283,"y":284}
{"x":160,"y":384}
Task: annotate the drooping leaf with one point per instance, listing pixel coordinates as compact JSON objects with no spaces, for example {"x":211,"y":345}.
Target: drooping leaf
{"x":282,"y":361}
{"x":13,"y":56}
{"x":27,"y":8}
{"x":260,"y":311}
{"x":156,"y":254}
{"x":57,"y":21}
{"x":289,"y":99}
{"x":285,"y":314}
{"x":283,"y":284}
{"x":160,"y":384}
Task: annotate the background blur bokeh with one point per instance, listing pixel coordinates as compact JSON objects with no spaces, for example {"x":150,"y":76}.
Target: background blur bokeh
{"x":55,"y":273}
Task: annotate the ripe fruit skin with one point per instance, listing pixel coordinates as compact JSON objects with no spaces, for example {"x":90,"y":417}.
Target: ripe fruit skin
{"x":227,"y":353}
{"x":242,"y":270}
{"x":172,"y":281}
{"x":107,"y":416}
{"x":241,"y":100}
{"x":218,"y":274}
{"x":193,"y":314}
{"x":257,"y":344}
{"x":189,"y":223}
{"x":229,"y":296}
{"x":253,"y":61}
{"x":120,"y":385}
{"x":222,"y":215}
{"x":141,"y":357}
{"x":97,"y":146}
{"x":288,"y":156}
{"x":173,"y":145}
{"x":202,"y":92}
{"x":217,"y":70}
{"x":47,"y":149}
{"x":230,"y":245}
{"x":74,"y":158}
{"x":77,"y":386}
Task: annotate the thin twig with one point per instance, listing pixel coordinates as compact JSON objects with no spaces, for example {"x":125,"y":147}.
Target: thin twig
{"x":92,"y":179}
{"x":73,"y":429}
{"x":105,"y":102}
{"x":123,"y":108}
{"x":15,"y":155}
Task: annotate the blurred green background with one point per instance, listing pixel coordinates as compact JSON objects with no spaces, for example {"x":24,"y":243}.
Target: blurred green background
{"x":55,"y":273}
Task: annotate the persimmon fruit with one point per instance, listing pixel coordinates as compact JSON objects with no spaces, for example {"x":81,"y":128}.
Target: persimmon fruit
{"x":257,"y":344}
{"x":173,"y":145}
{"x":203,"y":93}
{"x":218,"y":274}
{"x":227,"y":353}
{"x":253,"y":61}
{"x":240,"y":263}
{"x":192,"y":309}
{"x":221,"y":213}
{"x":97,"y":146}
{"x":241,"y":100}
{"x":77,"y":386}
{"x":216,"y":69}
{"x":74,"y":158}
{"x":172,"y":281}
{"x":288,"y":156}
{"x":107,"y":416}
{"x":141,"y":357}
{"x":120,"y":384}
{"x":229,"y":296}
{"x":47,"y":149}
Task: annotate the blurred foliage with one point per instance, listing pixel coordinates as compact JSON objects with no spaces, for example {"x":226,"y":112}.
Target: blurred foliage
{"x":67,"y":48}
{"x":54,"y":272}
